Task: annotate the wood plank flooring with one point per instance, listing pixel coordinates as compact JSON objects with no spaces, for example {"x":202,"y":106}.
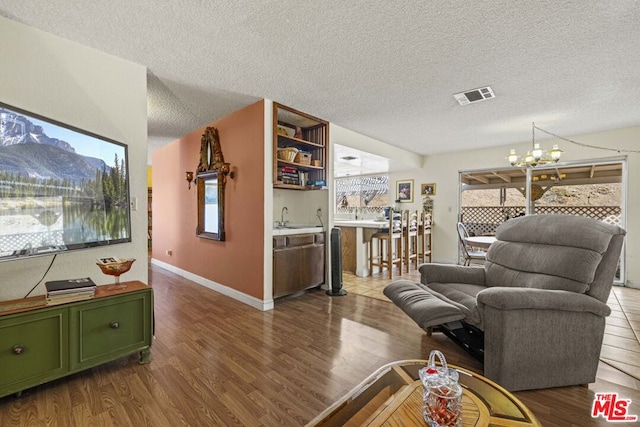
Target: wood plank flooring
{"x":621,"y":346}
{"x":218,"y":362}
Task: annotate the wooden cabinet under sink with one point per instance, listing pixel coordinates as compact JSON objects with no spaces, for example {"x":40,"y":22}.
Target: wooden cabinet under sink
{"x":298,"y":262}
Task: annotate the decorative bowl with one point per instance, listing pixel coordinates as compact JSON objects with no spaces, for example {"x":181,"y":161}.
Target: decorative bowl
{"x":116,"y":269}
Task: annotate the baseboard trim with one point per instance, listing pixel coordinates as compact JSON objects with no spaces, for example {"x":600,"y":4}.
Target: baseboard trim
{"x":224,"y":290}
{"x":634,"y":285}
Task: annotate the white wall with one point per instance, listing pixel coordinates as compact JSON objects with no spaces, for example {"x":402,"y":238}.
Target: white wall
{"x":443,"y":170}
{"x":90,"y":90}
{"x":419,"y":177}
{"x":396,"y":155}
{"x":301,"y":206}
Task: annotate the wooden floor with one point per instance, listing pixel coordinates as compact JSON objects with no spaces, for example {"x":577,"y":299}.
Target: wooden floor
{"x":218,"y":362}
{"x":621,"y":346}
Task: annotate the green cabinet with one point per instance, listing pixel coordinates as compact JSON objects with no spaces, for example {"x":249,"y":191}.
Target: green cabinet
{"x":104,"y":330}
{"x":33,"y":349}
{"x":46,"y":343}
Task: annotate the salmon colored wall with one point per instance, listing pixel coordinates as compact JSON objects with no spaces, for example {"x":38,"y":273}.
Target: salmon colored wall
{"x":237,"y":262}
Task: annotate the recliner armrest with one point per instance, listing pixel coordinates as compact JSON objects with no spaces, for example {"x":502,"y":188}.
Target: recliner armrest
{"x":450,"y":273}
{"x":508,"y":298}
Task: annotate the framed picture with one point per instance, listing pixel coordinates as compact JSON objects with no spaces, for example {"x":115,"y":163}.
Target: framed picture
{"x":428,"y":190}
{"x":404,"y":191}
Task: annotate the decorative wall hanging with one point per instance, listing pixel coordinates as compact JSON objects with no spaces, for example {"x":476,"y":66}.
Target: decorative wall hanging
{"x":404,"y":191}
{"x":428,"y":190}
{"x":211,"y":177}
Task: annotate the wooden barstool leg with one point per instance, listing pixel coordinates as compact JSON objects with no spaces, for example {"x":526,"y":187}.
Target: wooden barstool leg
{"x":381,"y":255}
{"x":389,"y":261}
{"x":407,"y":252}
{"x":371,"y":257}
{"x":400,"y":244}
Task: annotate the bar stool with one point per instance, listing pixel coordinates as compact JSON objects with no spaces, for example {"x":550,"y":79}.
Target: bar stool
{"x":389,"y":243}
{"x":410,"y":237}
{"x":424,"y":238}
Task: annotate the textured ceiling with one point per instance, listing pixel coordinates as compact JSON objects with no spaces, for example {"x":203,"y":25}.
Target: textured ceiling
{"x":384,"y":69}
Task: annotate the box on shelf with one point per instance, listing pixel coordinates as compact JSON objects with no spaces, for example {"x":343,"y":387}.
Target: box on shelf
{"x":303,"y":158}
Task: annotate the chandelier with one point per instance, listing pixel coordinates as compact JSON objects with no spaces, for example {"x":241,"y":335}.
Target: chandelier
{"x":536,"y":156}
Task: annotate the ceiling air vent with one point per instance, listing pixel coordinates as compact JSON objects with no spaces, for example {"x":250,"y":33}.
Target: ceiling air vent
{"x":475,"y":95}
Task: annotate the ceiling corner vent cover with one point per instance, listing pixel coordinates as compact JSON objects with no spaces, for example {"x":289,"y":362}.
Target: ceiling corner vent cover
{"x":474,"y":95}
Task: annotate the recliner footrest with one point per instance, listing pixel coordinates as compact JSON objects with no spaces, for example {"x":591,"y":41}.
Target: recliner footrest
{"x":421,"y":305}
{"x":466,"y":336}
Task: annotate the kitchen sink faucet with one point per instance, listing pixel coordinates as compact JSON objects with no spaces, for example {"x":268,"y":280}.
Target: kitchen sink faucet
{"x":282,"y":221}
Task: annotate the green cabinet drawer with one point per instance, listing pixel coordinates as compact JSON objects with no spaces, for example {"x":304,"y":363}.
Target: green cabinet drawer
{"x":108,"y":329}
{"x":33,"y":349}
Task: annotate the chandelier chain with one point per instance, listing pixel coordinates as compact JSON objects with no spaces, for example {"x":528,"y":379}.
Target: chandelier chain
{"x":619,"y":150}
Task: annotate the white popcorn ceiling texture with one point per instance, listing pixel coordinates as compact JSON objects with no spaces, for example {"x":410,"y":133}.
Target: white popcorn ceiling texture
{"x":384,"y":69}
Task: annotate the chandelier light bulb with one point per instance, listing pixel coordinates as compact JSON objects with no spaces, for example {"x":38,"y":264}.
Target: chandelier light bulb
{"x":528,"y":158}
{"x":512,"y":157}
{"x":537,"y":152}
{"x":555,"y":153}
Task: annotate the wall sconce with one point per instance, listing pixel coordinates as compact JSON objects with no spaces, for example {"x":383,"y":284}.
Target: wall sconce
{"x":189,"y":178}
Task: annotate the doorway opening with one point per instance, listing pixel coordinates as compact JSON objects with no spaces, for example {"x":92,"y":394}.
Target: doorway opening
{"x":593,"y":188}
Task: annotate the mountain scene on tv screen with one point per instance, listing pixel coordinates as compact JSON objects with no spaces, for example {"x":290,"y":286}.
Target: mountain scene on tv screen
{"x":34,"y":164}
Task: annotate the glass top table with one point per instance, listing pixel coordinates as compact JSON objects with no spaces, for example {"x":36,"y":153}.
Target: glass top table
{"x":392,"y":396}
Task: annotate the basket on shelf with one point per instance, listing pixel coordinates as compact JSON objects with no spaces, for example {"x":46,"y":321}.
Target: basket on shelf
{"x":287,"y":154}
{"x":303,"y":158}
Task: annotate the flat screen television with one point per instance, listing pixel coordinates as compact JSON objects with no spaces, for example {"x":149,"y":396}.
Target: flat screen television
{"x":61,"y":188}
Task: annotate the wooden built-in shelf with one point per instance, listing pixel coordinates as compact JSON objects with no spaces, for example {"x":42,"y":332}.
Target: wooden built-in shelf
{"x":294,"y":142}
{"x":297,"y":187}
{"x":314,"y":141}
{"x":299,"y":165}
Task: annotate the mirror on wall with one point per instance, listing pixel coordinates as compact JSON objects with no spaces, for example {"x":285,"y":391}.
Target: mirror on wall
{"x":210,"y":206}
{"x":211,"y":177}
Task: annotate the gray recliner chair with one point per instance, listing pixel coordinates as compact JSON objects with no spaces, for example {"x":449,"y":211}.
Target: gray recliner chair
{"x":535,"y":312}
